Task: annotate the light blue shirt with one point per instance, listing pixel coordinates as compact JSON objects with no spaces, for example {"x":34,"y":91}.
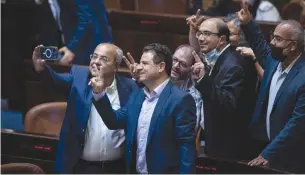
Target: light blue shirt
{"x":277,"y":80}
{"x":189,"y":86}
{"x":146,"y":113}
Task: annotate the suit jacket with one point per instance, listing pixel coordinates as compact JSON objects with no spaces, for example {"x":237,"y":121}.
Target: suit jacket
{"x":171,"y":137}
{"x":287,"y":119}
{"x":229,"y":95}
{"x":72,"y":135}
{"x":84,"y":26}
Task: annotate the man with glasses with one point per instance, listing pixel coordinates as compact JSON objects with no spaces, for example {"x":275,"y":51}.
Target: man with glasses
{"x":227,"y":109}
{"x":85,"y":144}
{"x":181,"y":75}
{"x":278,"y":123}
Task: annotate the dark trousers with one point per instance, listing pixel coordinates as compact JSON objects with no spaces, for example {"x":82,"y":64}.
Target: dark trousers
{"x":96,"y":167}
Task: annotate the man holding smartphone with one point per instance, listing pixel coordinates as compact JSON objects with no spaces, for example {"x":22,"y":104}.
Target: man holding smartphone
{"x":85,"y":144}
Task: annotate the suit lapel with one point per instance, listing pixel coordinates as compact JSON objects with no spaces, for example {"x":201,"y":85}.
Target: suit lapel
{"x":135,"y":112}
{"x":87,"y":98}
{"x":122,"y":91}
{"x":268,"y":80}
{"x":292,"y":73}
{"x":159,"y":106}
{"x":220,"y":61}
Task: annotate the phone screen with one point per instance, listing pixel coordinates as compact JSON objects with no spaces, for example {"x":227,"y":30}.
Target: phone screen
{"x":49,"y":53}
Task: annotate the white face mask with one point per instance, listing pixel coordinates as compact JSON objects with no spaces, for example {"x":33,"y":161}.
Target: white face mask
{"x":213,"y":54}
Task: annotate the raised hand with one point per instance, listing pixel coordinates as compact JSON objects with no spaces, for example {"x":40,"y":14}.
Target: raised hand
{"x":132,"y":65}
{"x":244,"y":14}
{"x":97,"y":84}
{"x":246,"y":52}
{"x":39,"y":64}
{"x":198,"y":68}
{"x":194,"y":21}
{"x":68,"y":56}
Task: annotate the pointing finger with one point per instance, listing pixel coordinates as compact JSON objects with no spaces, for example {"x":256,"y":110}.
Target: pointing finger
{"x":197,"y":58}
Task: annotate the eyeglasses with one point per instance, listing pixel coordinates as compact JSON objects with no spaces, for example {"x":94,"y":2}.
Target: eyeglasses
{"x":180,"y":63}
{"x":278,"y":39}
{"x":205,"y":34}
{"x":102,"y":58}
{"x":232,"y":33}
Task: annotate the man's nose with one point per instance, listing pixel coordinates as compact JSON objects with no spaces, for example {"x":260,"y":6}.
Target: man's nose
{"x":176,"y":65}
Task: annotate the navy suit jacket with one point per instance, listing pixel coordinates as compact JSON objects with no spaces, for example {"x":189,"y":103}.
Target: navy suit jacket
{"x":229,"y":97}
{"x":171,"y":138}
{"x":85,"y":25}
{"x":286,"y":149}
{"x":72,"y":135}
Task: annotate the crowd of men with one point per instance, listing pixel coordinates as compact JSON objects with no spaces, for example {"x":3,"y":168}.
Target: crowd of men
{"x":206,"y":90}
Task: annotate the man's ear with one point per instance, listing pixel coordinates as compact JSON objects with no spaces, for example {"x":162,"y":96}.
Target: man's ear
{"x":116,"y":67}
{"x":223,"y":40}
{"x":162,"y":66}
{"x":294,"y":45}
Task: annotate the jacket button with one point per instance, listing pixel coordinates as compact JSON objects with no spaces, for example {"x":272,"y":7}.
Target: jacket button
{"x":83,"y":130}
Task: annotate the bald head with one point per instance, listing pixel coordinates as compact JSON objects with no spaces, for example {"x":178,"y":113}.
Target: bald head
{"x":294,"y":31}
{"x":112,"y":50}
{"x":187,"y":52}
{"x":105,"y":60}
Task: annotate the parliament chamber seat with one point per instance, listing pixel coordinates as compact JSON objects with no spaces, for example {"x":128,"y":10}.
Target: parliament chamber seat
{"x":20,"y":168}
{"x":45,"y":118}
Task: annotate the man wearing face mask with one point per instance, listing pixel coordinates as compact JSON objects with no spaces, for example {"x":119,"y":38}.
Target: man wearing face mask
{"x":278,"y":123}
{"x":224,"y":89}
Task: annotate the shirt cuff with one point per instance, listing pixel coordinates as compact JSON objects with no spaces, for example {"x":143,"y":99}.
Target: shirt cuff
{"x":200,"y":79}
{"x":98,"y":96}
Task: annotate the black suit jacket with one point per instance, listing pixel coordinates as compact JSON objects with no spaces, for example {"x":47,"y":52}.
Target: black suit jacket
{"x":228,"y":94}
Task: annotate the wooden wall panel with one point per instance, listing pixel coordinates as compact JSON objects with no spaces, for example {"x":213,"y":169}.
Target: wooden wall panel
{"x":134,"y":41}
{"x":162,"y":6}
{"x":112,"y":4}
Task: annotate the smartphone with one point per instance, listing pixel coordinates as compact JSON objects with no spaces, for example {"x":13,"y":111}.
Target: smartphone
{"x":50,"y":53}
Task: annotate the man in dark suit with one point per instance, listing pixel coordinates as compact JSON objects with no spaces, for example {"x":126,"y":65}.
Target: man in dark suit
{"x":77,"y":25}
{"x":279,"y":117}
{"x":159,"y":120}
{"x":226,"y":89}
{"x":86,"y":145}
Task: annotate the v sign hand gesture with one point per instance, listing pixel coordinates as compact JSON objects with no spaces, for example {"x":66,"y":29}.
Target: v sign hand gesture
{"x":132,"y":65}
{"x":194,"y":21}
{"x":244,"y":14}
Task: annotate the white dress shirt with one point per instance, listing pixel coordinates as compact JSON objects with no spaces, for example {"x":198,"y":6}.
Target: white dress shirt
{"x":277,"y":80}
{"x":146,"y":113}
{"x":102,"y":144}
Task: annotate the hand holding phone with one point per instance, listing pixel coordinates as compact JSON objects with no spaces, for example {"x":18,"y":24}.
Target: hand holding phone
{"x":50,"y":53}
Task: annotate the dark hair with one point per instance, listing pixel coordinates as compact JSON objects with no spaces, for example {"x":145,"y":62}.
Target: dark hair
{"x":161,"y":54}
{"x":223,"y":30}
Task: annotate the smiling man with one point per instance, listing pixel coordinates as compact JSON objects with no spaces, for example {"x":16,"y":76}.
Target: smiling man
{"x":181,"y":75}
{"x":85,"y":144}
{"x":159,"y":119}
{"x":224,"y":89}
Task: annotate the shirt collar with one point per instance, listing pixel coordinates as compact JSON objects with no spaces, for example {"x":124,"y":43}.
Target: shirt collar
{"x":157,"y":91}
{"x":188,"y":84}
{"x":213,"y":62}
{"x":287,"y":70}
{"x":112,"y":87}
